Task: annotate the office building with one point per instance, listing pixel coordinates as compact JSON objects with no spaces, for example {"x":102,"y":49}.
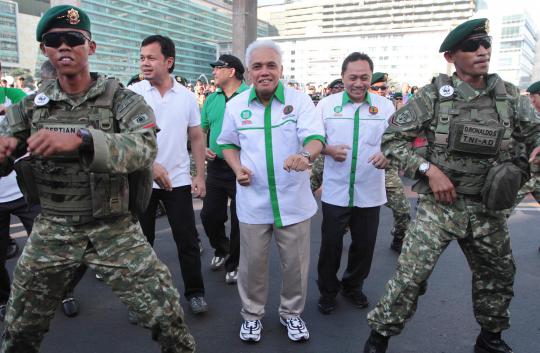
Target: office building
{"x":402,"y":37}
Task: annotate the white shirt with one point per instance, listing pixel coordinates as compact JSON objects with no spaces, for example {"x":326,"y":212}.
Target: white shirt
{"x":175,"y":112}
{"x":274,"y":196}
{"x":354,"y":182}
{"x":9,"y":190}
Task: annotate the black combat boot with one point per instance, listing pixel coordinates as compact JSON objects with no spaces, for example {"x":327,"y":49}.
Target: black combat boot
{"x":490,"y":342}
{"x":376,"y":343}
{"x":396,"y":244}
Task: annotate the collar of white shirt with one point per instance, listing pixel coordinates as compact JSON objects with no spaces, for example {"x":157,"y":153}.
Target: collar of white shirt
{"x":279,"y":94}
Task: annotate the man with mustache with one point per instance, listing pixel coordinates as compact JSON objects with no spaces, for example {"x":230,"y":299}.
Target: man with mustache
{"x":474,"y":122}
{"x":269,"y":138}
{"x":228,"y":74}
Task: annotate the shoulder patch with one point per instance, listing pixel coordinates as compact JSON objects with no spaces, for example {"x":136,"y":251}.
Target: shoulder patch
{"x":446,"y":91}
{"x":403,"y":117}
{"x":41,"y":99}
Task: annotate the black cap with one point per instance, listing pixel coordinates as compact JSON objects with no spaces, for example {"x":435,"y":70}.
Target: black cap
{"x":231,"y":61}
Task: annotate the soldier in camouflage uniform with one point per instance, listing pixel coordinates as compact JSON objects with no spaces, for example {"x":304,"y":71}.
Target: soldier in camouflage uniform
{"x":316,"y":174}
{"x":395,"y":192}
{"x":533,"y":185}
{"x":471,"y":120}
{"x":335,"y":86}
{"x":398,"y":202}
{"x":81,"y":180}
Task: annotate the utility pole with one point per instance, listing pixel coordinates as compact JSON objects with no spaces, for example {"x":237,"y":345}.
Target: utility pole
{"x":244,"y":26}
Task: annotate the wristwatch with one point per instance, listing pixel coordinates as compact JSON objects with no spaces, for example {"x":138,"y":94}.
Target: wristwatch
{"x":306,"y":154}
{"x":423,"y":168}
{"x":87,"y":140}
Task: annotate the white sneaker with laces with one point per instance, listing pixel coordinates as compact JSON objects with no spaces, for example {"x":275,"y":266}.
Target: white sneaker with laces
{"x":217,"y":263}
{"x":296,"y":328}
{"x":231,"y":277}
{"x":250,"y":331}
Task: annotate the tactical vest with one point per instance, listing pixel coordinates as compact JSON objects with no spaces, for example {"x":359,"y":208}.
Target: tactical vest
{"x":470,"y":135}
{"x":65,"y":188}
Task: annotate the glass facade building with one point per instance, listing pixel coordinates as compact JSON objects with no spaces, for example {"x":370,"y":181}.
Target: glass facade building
{"x":9,"y":48}
{"x":119,"y":26}
{"x":517,"y":50}
{"x":196,"y":27}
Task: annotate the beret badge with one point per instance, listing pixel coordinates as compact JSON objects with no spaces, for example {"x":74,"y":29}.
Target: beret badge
{"x":486,"y":26}
{"x":73,"y":17}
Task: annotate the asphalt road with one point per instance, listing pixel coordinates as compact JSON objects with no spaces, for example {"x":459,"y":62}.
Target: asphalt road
{"x":444,"y":322}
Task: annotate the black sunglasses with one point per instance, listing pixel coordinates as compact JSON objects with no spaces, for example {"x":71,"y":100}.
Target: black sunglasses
{"x":376,"y":88}
{"x":472,"y":45}
{"x":70,"y":38}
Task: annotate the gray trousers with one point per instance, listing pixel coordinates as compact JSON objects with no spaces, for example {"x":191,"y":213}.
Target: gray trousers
{"x":293,"y":245}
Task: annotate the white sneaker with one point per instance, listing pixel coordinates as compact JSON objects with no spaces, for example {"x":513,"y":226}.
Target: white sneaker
{"x":250,"y":331}
{"x":296,"y":328}
{"x":231,"y":277}
{"x":217,"y":263}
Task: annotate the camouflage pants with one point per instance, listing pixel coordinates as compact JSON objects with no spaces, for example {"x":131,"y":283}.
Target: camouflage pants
{"x":483,"y":238}
{"x":119,"y":252}
{"x":397,"y":202}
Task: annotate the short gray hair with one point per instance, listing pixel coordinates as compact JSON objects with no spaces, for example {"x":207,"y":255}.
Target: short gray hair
{"x":262,"y":43}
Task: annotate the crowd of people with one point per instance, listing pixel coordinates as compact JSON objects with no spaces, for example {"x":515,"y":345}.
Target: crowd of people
{"x":96,"y":160}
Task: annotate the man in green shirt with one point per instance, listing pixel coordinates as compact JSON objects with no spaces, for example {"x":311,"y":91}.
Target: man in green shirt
{"x":228,"y":74}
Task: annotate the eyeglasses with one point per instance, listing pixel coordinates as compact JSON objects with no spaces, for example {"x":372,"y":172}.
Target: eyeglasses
{"x":376,"y":88}
{"x":70,"y":38}
{"x":472,"y":45}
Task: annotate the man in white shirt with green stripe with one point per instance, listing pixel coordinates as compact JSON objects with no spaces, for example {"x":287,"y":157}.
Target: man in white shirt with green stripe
{"x":270,"y":136}
{"x":353,"y":181}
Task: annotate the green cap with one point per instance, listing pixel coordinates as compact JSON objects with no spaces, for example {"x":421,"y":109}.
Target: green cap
{"x":398,"y":95}
{"x":534,"y":88}
{"x":478,"y":26}
{"x":62,"y":16}
{"x":135,"y":78}
{"x":379,"y":77}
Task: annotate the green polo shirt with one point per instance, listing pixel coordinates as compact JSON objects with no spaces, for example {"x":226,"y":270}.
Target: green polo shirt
{"x":212,"y":115}
{"x":15,"y":95}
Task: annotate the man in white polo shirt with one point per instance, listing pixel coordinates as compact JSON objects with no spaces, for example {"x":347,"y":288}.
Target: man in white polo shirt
{"x":178,"y":116}
{"x":353,"y":181}
{"x":270,"y":136}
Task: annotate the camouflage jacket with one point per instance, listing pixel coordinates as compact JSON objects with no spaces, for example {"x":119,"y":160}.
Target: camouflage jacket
{"x":417,"y":117}
{"x":133,"y":148}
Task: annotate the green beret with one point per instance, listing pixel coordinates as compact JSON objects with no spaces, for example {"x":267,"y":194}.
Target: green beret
{"x":336,"y":82}
{"x":534,"y":88}
{"x":379,"y":77}
{"x":135,"y":78}
{"x":63,"y":16}
{"x":181,"y":80}
{"x":477,"y":26}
